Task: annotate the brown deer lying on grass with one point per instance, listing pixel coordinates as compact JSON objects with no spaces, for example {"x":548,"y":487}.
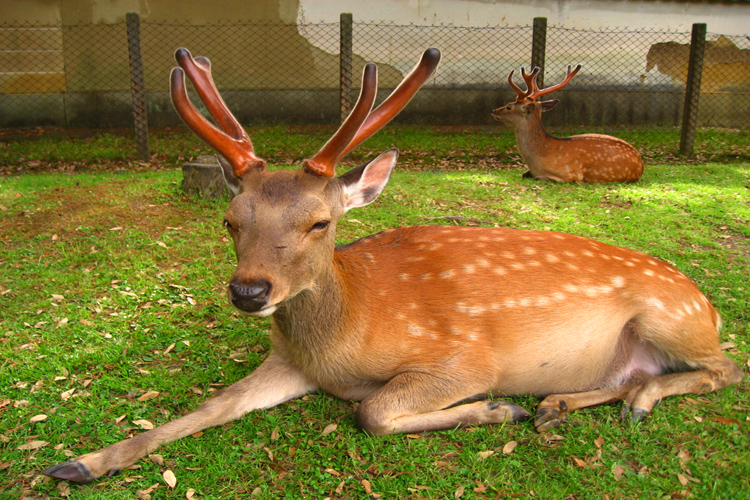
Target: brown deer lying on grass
{"x":579,"y":158}
{"x":415,"y":320}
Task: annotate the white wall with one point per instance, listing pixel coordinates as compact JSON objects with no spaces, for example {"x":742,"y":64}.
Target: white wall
{"x":722,"y":18}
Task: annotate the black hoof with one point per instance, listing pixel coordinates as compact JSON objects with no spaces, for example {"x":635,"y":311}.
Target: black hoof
{"x":72,"y":471}
{"x":517,"y":413}
{"x":548,"y":418}
{"x":638,"y":415}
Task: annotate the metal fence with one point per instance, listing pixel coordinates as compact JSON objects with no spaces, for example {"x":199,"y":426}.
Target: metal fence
{"x":80,"y":76}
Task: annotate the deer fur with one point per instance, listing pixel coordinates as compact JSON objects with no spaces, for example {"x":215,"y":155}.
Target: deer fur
{"x":578,"y":158}
{"x":416,"y":321}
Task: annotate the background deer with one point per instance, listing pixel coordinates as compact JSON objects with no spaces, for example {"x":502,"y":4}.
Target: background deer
{"x":579,"y":158}
{"x":416,"y":321}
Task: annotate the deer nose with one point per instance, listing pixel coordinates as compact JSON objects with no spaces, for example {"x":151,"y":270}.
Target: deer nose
{"x":249,"y":297}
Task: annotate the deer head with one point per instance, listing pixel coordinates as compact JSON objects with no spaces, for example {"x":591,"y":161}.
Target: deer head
{"x":283,"y":223}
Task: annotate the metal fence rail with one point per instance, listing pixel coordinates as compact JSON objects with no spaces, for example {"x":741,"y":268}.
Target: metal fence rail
{"x":82,"y":76}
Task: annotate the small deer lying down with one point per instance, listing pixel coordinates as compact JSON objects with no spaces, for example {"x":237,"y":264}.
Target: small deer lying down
{"x":579,"y":158}
{"x":414,"y":320}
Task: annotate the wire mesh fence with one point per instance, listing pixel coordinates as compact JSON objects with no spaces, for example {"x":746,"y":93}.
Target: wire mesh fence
{"x":79,"y":76}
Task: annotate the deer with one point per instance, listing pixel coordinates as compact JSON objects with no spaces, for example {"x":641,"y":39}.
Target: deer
{"x":578,"y":158}
{"x":430,"y":327}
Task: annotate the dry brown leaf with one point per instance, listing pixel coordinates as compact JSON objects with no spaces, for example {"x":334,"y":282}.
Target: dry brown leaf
{"x":579,"y":463}
{"x":168,"y":349}
{"x":275,"y":434}
{"x":169,"y":478}
{"x":367,"y":486}
{"x":190,"y":494}
{"x":726,"y":420}
{"x":682,"y":479}
{"x":599,"y":442}
{"x":119,"y":419}
{"x":38,"y":418}
{"x":509,"y":447}
{"x":333,"y":472}
{"x":485,"y":454}
{"x":33,"y":445}
{"x":618,"y":471}
{"x":143,"y":424}
{"x":329,"y":429}
{"x":148,"y":395}
{"x":66,"y":395}
{"x":85,"y":322}
{"x":63,"y":489}
{"x":340,"y":488}
{"x":481,"y":488}
{"x":157,"y":459}
{"x":459,"y":492}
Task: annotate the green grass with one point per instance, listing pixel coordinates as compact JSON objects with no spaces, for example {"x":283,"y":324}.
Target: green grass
{"x":113,"y":285}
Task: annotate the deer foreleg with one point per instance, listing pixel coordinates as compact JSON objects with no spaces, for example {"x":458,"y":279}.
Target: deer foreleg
{"x":417,"y":402}
{"x":272,"y":383}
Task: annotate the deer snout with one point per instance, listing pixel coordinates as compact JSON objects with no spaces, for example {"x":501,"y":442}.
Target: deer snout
{"x":250,"y":297}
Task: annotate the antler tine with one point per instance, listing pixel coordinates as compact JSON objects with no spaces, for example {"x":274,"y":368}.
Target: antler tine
{"x":399,"y":98}
{"x":324,"y":161}
{"x":521,"y":94}
{"x":540,"y":92}
{"x":232,"y":142}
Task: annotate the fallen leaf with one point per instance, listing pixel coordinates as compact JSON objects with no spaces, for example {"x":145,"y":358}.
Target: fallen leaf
{"x":63,"y":488}
{"x":509,"y":447}
{"x":58,"y":297}
{"x":483,"y":455}
{"x":682,"y":479}
{"x":333,"y":472}
{"x":726,"y":421}
{"x":481,"y":488}
{"x":168,"y":349}
{"x":33,"y":445}
{"x":459,"y":492}
{"x":148,"y":395}
{"x":170,"y":478}
{"x":599,"y":442}
{"x":66,"y":395}
{"x":275,"y":434}
{"x":157,"y":459}
{"x":190,"y":494}
{"x":38,"y":418}
{"x":368,"y":486}
{"x":617,"y":471}
{"x":329,"y":429}
{"x":143,"y":424}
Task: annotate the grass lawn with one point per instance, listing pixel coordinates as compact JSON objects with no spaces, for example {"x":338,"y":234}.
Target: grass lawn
{"x":113,"y":317}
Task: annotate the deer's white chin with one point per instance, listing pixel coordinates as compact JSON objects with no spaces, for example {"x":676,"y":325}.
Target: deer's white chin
{"x":263,"y":313}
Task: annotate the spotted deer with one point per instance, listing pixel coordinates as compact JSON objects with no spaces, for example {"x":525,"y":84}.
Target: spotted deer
{"x":578,"y":158}
{"x":427,"y":325}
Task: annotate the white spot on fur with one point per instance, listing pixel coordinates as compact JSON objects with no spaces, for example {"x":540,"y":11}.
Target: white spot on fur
{"x":447,"y":274}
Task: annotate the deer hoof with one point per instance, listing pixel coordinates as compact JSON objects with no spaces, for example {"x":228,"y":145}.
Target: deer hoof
{"x":548,"y":418}
{"x":514,"y":412}
{"x":71,"y":470}
{"x":636,"y":414}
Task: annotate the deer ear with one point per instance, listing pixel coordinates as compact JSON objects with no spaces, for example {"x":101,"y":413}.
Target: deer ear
{"x":363,"y":184}
{"x":231,"y":181}
{"x":547,"y":105}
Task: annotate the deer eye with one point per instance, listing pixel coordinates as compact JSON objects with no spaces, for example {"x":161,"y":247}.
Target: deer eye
{"x":320,"y":226}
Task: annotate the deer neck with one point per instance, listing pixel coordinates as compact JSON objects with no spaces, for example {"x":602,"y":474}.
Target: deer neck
{"x":532,"y":139}
{"x":314,"y":319}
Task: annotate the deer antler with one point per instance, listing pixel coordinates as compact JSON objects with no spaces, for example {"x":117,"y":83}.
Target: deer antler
{"x":348,"y":137}
{"x":537,"y":92}
{"x":530,"y":80}
{"x":324,"y":161}
{"x":231,"y":141}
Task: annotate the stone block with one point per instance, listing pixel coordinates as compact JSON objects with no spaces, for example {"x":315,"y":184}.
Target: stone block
{"x":204,"y":177}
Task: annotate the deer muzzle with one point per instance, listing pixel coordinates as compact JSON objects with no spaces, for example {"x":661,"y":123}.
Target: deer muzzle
{"x":251,"y":297}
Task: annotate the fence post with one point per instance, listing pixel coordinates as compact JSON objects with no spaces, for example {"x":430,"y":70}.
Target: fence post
{"x":692,"y":89}
{"x":539,"y":47}
{"x":138,"y":84}
{"x":345,"y":51}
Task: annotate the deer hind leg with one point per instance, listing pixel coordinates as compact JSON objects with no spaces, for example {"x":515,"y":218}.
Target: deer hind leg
{"x":418,"y":402}
{"x":273,"y":382}
{"x":681,"y":347}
